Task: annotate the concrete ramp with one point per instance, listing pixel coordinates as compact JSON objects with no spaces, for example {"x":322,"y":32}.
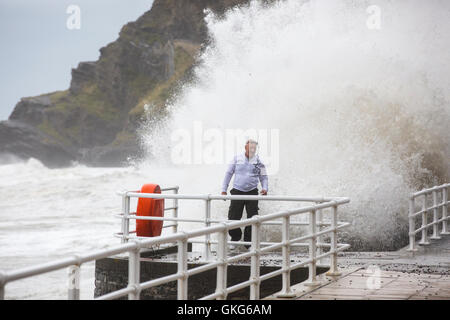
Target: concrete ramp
{"x":397,"y":275}
{"x":364,"y":284}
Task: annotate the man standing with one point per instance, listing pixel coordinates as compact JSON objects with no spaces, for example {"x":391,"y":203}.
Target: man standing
{"x":248,"y":170}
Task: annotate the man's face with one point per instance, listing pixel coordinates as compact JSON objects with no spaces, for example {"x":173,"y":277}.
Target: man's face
{"x":250,"y":148}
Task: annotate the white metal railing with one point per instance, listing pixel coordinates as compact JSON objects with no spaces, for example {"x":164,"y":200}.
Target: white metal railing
{"x":126,"y":234}
{"x":133,"y":246}
{"x":439,"y":201}
{"x":126,"y":216}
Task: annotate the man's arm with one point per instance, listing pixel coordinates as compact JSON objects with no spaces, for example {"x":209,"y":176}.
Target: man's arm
{"x":264,"y":179}
{"x":228,"y":174}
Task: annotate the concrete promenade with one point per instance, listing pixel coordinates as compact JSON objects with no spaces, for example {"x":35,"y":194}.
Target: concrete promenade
{"x":398,"y":275}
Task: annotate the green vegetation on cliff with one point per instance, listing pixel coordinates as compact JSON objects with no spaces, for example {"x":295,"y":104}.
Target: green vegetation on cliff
{"x":160,"y":93}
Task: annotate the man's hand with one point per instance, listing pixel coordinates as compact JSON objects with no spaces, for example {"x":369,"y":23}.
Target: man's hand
{"x":264,"y":192}
{"x":224,"y":193}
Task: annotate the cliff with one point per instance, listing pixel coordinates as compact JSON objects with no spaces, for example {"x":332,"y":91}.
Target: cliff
{"x":95,"y":120}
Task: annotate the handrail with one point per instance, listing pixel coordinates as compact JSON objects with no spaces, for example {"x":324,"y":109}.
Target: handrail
{"x":134,"y":246}
{"x":227,"y":197}
{"x":437,"y":192}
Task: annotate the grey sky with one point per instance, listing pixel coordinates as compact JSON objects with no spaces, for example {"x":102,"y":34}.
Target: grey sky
{"x":38,"y":51}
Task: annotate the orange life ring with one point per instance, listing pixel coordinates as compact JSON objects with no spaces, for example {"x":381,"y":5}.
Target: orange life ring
{"x":149,"y":207}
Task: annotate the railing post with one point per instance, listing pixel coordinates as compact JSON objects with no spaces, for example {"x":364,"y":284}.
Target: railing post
{"x":435,"y":235}
{"x":175,"y":211}
{"x":320,"y":239}
{"x":74,"y":282}
{"x":134,"y":272}
{"x":333,"y":258}
{"x":312,"y":251}
{"x":208,"y":224}
{"x":424,"y":240}
{"x":221,"y":284}
{"x":2,"y":286}
{"x":444,"y":210}
{"x":286,"y":252}
{"x":412,"y":227}
{"x":182,"y":282}
{"x":125,"y":219}
{"x":255,"y":261}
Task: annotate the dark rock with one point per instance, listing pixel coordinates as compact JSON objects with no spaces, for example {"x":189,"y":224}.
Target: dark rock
{"x":84,"y":73}
{"x":31,"y":110}
{"x":24,"y":141}
{"x":110,"y":156}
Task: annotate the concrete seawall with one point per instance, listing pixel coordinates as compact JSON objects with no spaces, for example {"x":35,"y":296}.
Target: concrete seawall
{"x":112,"y":274}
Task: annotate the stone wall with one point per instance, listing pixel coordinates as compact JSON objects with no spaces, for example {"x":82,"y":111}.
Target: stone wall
{"x":112,"y":274}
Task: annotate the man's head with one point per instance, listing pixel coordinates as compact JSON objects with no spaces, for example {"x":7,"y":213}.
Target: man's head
{"x":250,"y":148}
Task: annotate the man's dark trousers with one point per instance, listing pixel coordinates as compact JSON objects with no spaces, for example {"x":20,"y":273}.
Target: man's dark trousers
{"x":236,"y":210}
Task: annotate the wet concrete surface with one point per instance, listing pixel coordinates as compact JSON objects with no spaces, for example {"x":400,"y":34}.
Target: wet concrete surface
{"x":397,"y":275}
{"x":364,"y":284}
{"x":433,"y":258}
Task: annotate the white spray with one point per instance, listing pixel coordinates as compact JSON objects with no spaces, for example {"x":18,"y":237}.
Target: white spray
{"x":359,"y":95}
